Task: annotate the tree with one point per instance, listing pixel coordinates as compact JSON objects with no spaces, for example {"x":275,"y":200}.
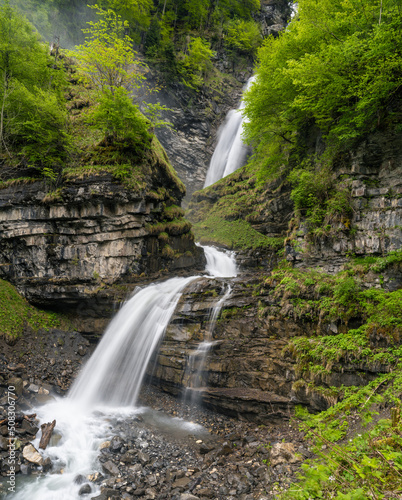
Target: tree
{"x":108,"y":62}
{"x":337,"y":67}
{"x":197,"y":62}
{"x":32,"y":118}
{"x":107,"y":59}
{"x":136,"y":12}
{"x":243,"y":36}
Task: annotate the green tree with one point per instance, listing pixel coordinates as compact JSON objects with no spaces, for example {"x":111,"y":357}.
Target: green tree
{"x":108,"y":63}
{"x":243,"y":36}
{"x":32,"y":118}
{"x":107,"y":59}
{"x":337,"y":66}
{"x":197,"y":62}
{"x":136,"y":12}
{"x":118,"y":118}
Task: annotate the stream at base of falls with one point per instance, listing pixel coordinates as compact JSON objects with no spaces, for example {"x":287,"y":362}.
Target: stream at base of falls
{"x":106,"y":392}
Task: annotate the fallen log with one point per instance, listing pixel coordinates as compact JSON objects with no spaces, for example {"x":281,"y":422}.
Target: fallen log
{"x":47,"y":430}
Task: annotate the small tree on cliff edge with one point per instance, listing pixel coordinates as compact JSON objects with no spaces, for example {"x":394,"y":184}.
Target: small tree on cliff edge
{"x":109,"y":64}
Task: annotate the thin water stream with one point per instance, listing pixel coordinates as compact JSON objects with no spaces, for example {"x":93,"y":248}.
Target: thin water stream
{"x":108,"y":386}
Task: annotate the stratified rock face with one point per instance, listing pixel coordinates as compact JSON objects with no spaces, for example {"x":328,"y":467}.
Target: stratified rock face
{"x":249,"y":370}
{"x":373,"y":174}
{"x":245,"y":372}
{"x":60,"y":253}
{"x":191,"y":142}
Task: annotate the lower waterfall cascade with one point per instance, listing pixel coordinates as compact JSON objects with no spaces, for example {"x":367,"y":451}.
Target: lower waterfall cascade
{"x":109,"y":384}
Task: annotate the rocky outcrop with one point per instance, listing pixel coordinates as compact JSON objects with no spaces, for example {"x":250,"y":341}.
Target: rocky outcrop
{"x":372,"y":173}
{"x":191,"y":142}
{"x":63,"y":252}
{"x":250,"y":371}
{"x":245,"y":373}
{"x":273,"y":16}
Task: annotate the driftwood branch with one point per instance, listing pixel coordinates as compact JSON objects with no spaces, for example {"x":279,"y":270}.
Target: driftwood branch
{"x":47,"y":430}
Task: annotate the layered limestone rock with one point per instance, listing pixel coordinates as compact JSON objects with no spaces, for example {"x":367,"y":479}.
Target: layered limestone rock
{"x":67,"y":252}
{"x":245,"y":372}
{"x":250,"y":370}
{"x":372,"y":173}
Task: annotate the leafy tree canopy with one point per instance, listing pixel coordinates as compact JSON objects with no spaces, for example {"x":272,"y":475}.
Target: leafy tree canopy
{"x":337,"y":66}
{"x":32,"y":117}
{"x":107,"y":59}
{"x":109,"y":64}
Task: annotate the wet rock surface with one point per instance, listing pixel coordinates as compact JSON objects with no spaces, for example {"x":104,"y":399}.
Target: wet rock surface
{"x":146,"y":458}
{"x":229,"y":459}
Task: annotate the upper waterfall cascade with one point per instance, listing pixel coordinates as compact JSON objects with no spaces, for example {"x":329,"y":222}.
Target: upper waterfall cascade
{"x":230,"y":152}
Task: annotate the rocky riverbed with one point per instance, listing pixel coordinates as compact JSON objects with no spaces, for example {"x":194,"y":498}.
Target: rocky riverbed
{"x":170,"y":449}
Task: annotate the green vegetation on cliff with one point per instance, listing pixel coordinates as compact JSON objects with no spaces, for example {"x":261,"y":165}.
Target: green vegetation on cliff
{"x":65,"y":117}
{"x":226,"y":213}
{"x":16,"y":314}
{"x":336,"y":67}
{"x":352,"y":365}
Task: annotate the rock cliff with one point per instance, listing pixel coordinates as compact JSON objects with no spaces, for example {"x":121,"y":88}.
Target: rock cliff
{"x":196,"y":116}
{"x":372,"y":174}
{"x":62,"y":249}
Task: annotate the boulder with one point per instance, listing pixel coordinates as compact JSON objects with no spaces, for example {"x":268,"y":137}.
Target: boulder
{"x":283,"y":453}
{"x":31,"y":454}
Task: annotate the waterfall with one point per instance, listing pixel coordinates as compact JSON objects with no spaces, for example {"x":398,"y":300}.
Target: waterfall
{"x":194,"y":374}
{"x":230,"y":152}
{"x":114,"y":374}
{"x":110,"y":381}
{"x":220,"y":264}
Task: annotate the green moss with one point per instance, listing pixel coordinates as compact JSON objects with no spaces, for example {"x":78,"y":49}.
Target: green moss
{"x":173,"y":212}
{"x":17,"y":182}
{"x":234,"y":234}
{"x":16,"y":314}
{"x":157,"y":152}
{"x":226,"y":212}
{"x":175,"y":227}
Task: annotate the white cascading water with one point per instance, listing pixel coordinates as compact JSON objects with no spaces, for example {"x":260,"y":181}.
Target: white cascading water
{"x":194,"y":373}
{"x":114,"y":374}
{"x":110,"y":381}
{"x":230,"y":152}
{"x":220,"y":264}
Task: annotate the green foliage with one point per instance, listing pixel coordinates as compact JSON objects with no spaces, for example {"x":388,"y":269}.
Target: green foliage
{"x":364,"y":466}
{"x":337,"y":66}
{"x":32,"y":118}
{"x":326,"y":208}
{"x":16,"y":314}
{"x":136,"y":12}
{"x":118,"y":118}
{"x":154,"y":113}
{"x":108,"y":62}
{"x":243,"y":36}
{"x":225,"y":213}
{"x":106,"y":59}
{"x":196,"y":63}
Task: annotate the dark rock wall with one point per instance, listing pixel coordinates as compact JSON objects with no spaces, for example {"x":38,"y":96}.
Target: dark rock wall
{"x":372,"y":173}
{"x":64,"y":253}
{"x":248,"y":373}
